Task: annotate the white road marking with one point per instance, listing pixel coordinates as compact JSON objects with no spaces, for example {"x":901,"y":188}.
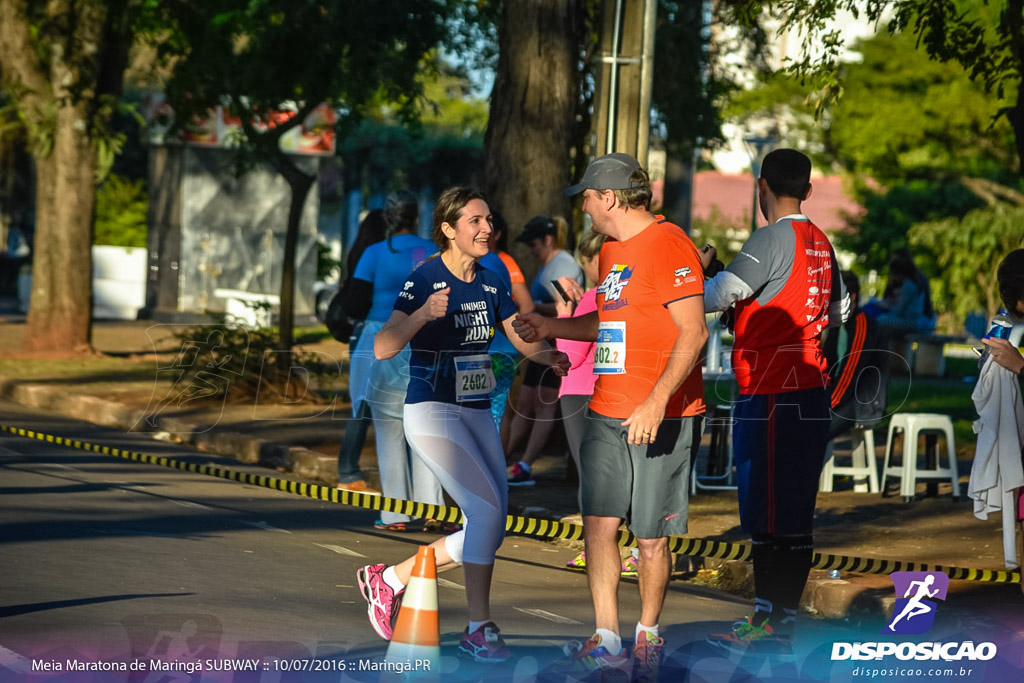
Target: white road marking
{"x":61,"y":466}
{"x":445,"y":583}
{"x":558,"y":619}
{"x":190,"y":504}
{"x":267,"y":527}
{"x":183,"y":503}
{"x":127,"y":487}
{"x":341,"y":550}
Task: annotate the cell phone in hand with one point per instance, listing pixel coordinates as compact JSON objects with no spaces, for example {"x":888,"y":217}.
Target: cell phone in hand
{"x":561,"y":291}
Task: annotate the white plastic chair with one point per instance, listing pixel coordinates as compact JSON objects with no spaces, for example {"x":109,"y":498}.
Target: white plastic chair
{"x":863,"y":467}
{"x":912,"y":425}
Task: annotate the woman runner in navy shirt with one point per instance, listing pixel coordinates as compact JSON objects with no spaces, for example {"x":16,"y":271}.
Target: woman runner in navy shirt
{"x":448,"y":311}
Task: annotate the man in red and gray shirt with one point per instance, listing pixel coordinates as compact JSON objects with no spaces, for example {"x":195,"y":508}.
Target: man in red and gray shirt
{"x":786,"y":290}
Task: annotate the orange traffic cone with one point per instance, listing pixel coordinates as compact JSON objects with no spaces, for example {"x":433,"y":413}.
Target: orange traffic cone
{"x":416,"y":641}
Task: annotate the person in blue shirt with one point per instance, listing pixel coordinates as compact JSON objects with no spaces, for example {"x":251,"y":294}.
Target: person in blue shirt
{"x":355,"y":298}
{"x":907,"y":305}
{"x":381,"y":384}
{"x":448,"y":311}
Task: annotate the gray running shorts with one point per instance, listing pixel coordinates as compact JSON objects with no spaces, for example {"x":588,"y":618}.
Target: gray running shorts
{"x":647,"y":486}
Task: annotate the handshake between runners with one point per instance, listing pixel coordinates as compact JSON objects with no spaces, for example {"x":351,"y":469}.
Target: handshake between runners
{"x":533,"y":328}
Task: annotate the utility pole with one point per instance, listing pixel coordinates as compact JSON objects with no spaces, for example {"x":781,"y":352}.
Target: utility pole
{"x":623,"y":96}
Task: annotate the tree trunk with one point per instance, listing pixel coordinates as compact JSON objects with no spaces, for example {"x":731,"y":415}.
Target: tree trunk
{"x":300,"y":184}
{"x":61,"y":305}
{"x":530,"y":129}
{"x":677,"y":197}
{"x":63,"y":102}
{"x":60,"y":310}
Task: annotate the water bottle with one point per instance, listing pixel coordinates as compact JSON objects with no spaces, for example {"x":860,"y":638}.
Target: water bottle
{"x":1001,"y":327}
{"x":713,"y":358}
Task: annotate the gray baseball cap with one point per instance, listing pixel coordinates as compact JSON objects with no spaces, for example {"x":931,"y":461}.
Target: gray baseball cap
{"x":610,"y":172}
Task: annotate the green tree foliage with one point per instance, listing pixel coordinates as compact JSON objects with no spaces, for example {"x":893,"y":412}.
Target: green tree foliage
{"x":121,"y":206}
{"x":473,"y":32}
{"x":908,"y":129}
{"x":930,"y":158}
{"x":688,"y":85}
{"x":917,"y":127}
{"x":328,"y":268}
{"x":780,"y":97}
{"x":256,"y":56}
{"x":890,"y":214}
{"x":449,"y":107}
{"x":15,"y":187}
{"x":986,"y":37}
{"x":905,"y":116}
{"x":727,"y":236}
{"x":969,"y":250}
{"x":444,"y":147}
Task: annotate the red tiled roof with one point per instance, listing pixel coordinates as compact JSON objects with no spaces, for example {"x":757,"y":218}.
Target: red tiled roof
{"x":733,"y":196}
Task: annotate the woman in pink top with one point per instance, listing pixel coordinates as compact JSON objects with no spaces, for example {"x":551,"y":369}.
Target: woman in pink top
{"x":578,"y":385}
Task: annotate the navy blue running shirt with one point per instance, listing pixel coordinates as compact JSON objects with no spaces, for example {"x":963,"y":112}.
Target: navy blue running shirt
{"x":439,"y":369}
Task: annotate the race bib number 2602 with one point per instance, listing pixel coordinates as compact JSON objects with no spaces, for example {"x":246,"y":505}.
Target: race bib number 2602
{"x":474,"y":379}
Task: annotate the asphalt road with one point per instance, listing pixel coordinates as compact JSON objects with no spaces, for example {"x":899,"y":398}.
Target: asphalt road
{"x":108,"y":560}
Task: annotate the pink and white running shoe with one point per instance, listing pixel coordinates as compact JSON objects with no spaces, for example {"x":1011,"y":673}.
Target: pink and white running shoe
{"x":382,"y":601}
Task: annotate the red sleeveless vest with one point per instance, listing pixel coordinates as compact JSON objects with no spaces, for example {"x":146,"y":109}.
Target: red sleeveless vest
{"x":777,"y":345}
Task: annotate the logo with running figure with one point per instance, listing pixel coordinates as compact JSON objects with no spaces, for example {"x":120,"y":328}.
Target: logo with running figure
{"x":617,"y":278}
{"x":914,"y":612}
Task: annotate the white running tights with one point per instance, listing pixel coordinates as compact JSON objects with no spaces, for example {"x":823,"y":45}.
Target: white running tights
{"x":462,"y":448}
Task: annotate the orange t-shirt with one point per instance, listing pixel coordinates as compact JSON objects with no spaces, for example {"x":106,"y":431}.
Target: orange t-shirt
{"x":639,"y":278}
{"x":514,"y":273}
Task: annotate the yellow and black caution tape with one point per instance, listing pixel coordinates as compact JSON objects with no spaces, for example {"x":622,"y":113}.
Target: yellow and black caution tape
{"x":525,"y":526}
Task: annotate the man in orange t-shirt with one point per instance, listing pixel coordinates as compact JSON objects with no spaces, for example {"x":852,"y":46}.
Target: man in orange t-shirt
{"x":644,"y":421}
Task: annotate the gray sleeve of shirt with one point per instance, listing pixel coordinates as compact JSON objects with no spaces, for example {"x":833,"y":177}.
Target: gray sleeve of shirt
{"x":766,"y":260}
{"x":562,"y":265}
